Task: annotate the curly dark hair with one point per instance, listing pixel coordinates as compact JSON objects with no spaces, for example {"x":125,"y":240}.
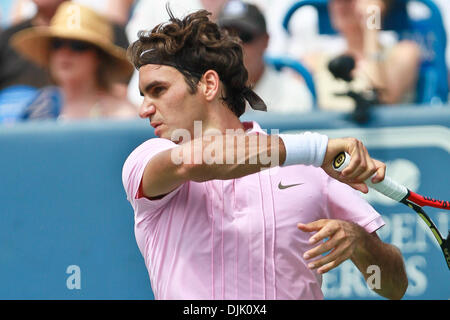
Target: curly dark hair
{"x":194,"y":45}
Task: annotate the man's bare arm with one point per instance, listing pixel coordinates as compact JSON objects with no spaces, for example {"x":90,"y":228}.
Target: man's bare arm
{"x":348,"y":240}
{"x":234,"y":156}
{"x":201,"y":160}
{"x":373,"y":252}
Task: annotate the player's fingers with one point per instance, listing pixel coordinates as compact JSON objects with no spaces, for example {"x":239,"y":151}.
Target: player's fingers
{"x":322,"y":248}
{"x":359,"y":186}
{"x":329,"y":266}
{"x":327,"y":231}
{"x":358,"y":162}
{"x":381,"y":171}
{"x":331,"y":260}
{"x":312,"y":226}
{"x":370,"y":170}
{"x":346,"y":253}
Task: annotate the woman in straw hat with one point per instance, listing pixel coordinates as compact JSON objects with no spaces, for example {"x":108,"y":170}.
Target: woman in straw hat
{"x":78,"y":50}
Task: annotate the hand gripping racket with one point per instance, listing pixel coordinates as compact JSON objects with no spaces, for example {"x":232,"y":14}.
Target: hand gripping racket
{"x":400,"y":193}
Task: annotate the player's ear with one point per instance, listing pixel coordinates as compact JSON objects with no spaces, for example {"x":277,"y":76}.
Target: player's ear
{"x":209,"y":84}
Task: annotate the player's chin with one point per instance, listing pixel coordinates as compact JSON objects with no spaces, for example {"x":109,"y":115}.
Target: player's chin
{"x":175,"y":135}
{"x":165,"y":135}
{"x":162,"y":131}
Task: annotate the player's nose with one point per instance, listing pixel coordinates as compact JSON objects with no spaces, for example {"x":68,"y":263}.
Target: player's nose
{"x":146,"y":109}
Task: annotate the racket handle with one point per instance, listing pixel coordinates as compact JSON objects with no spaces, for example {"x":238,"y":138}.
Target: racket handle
{"x":388,"y":187}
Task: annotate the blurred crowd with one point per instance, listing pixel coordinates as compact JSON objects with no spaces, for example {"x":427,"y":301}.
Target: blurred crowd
{"x":66,"y":60}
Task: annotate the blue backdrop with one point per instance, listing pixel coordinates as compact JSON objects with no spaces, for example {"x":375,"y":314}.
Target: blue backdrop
{"x":66,"y":228}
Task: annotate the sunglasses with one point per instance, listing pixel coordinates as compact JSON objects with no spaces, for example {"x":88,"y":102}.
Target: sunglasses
{"x":74,"y":45}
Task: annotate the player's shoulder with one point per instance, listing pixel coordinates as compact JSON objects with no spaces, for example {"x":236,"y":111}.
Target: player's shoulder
{"x":148,"y":148}
{"x":154,"y":145}
{"x":139,"y":157}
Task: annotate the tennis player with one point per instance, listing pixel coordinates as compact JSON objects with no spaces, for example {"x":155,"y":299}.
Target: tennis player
{"x":209,"y":222}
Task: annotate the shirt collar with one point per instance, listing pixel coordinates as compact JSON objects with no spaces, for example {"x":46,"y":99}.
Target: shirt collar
{"x":252,"y":127}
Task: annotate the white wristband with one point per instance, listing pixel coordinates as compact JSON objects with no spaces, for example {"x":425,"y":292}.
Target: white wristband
{"x":307,"y":148}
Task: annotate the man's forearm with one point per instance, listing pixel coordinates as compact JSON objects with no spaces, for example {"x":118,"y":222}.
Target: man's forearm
{"x":219,"y":157}
{"x":224,"y":157}
{"x":229,"y":157}
{"x":373,"y":252}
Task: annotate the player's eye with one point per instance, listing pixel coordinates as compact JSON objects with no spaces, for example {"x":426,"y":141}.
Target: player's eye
{"x":156,"y":91}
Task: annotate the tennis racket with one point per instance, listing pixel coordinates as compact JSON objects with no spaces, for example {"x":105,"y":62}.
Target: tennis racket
{"x":400,"y":193}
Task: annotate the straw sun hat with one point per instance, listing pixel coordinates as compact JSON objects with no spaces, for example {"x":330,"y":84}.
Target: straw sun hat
{"x":77,"y":22}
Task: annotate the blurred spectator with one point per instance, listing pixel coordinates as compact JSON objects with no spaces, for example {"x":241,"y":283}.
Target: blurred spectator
{"x":373,"y":60}
{"x":148,"y":13}
{"x":117,"y":11}
{"x":14,"y":69}
{"x":444,"y":8}
{"x":79,"y":52}
{"x":304,"y":36}
{"x":16,"y":11}
{"x":282,"y":91}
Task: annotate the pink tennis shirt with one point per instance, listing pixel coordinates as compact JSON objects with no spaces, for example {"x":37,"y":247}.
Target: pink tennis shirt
{"x":238,"y":238}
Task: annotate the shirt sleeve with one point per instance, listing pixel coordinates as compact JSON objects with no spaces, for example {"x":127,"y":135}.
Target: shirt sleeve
{"x":346,"y":203}
{"x":134,"y":166}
